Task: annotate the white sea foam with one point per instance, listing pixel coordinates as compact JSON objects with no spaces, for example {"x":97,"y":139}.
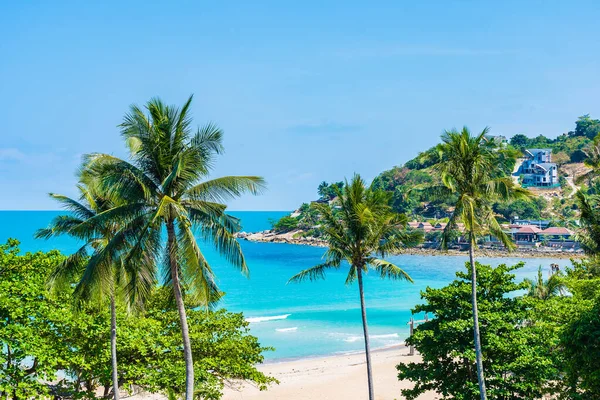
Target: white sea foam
{"x":264,"y":319}
{"x":352,"y":339}
{"x":294,"y":329}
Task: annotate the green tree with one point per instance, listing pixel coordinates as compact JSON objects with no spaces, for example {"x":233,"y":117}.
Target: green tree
{"x":519,"y":141}
{"x":98,"y":263}
{"x":322,"y":189}
{"x":520,"y":208}
{"x":592,"y":160}
{"x":544,"y":289}
{"x":285,"y":224}
{"x":586,"y":126}
{"x":163,"y":188}
{"x":42,"y":335}
{"x":222,"y":347}
{"x":516,"y":354}
{"x":570,"y":326}
{"x":581,"y":347}
{"x":29,"y":350}
{"x":589,"y":219}
{"x":470,"y":168}
{"x":367,"y":226}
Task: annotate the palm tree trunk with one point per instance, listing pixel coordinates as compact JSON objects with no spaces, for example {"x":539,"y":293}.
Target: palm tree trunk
{"x":185,"y":334}
{"x":478,"y":355}
{"x":113,"y":345}
{"x":365,"y":332}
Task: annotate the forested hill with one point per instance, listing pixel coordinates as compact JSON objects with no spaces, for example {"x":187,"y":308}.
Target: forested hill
{"x":567,"y":148}
{"x":569,"y":151}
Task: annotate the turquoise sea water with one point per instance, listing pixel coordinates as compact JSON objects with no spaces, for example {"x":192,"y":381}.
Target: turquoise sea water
{"x":299,"y":320}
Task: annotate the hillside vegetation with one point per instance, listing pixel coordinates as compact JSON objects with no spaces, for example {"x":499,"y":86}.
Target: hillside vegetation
{"x":569,"y":151}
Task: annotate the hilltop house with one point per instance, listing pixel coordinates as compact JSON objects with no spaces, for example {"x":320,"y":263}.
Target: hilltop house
{"x":538,"y":170}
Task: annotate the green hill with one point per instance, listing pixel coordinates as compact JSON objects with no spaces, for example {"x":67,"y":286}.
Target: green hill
{"x":568,"y":151}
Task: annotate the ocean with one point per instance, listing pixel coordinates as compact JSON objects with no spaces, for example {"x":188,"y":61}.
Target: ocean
{"x":307,"y":319}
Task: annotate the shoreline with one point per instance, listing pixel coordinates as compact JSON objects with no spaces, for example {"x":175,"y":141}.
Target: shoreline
{"x":331,"y":378}
{"x":340,"y":354}
{"x":293,"y":237}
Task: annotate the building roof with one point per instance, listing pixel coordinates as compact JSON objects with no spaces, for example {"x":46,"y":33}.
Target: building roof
{"x":557,"y":230}
{"x":535,"y":151}
{"x":519,"y":226}
{"x":546,"y":165}
{"x":533,"y":222}
{"x":529,"y":229}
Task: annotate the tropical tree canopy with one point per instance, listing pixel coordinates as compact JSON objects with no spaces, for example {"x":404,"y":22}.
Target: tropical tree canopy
{"x":469,"y":166}
{"x":544,"y":289}
{"x":516,"y":358}
{"x":589,"y":232}
{"x":361,"y":233}
{"x":101,"y":273}
{"x":43,"y":339}
{"x":165,"y":183}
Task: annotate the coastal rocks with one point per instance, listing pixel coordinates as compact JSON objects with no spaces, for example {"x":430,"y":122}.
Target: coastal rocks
{"x":297,"y":237}
{"x":292,"y":237}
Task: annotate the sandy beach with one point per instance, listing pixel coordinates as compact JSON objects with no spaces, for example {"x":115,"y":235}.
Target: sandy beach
{"x":331,"y":378}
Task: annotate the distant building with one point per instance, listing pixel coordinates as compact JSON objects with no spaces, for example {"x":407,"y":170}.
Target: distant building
{"x":558,"y":236}
{"x":538,"y":170}
{"x":526,"y":234}
{"x":500,"y":140}
{"x":540,"y":223}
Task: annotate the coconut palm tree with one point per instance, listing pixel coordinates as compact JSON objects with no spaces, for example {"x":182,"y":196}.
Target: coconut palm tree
{"x":165,"y":187}
{"x":363,"y":229}
{"x":592,"y":152}
{"x":545,"y":289}
{"x":96,"y":266}
{"x":470,"y":167}
{"x":589,"y":233}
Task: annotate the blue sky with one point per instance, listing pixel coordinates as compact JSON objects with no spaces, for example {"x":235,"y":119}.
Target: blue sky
{"x":305,"y":92}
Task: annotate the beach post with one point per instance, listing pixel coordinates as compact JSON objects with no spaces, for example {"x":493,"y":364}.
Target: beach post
{"x":411,"y":349}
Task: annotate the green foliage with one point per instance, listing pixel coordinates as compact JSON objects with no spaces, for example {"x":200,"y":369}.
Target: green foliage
{"x":400,"y":181}
{"x":589,"y":234}
{"x":531,"y":209}
{"x":571,"y":329}
{"x":566,"y":146}
{"x":328,"y":191}
{"x":544,"y":289}
{"x":424,"y":160}
{"x":30,"y":351}
{"x":365,"y":228}
{"x":41,"y":334}
{"x":469,"y":172}
{"x":221,"y":345}
{"x":285,"y":224}
{"x":515,"y":354}
{"x":581,"y":344}
{"x":586,"y":126}
{"x":519,"y":141}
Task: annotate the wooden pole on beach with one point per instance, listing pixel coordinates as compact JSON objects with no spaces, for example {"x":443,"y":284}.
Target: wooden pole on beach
{"x":411,"y":349}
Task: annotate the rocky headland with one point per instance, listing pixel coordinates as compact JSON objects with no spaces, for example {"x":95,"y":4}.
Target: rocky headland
{"x":299,"y":237}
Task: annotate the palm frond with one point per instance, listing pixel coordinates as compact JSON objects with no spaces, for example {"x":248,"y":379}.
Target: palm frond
{"x":198,"y":276}
{"x":388,"y":270}
{"x":226,"y":188}
{"x":73,"y":206}
{"x":312,"y":274}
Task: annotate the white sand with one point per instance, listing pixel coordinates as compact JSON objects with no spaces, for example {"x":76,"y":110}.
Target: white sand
{"x":332,"y":378}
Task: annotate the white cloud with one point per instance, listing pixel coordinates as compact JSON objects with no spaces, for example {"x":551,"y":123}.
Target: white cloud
{"x":11,"y":154}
